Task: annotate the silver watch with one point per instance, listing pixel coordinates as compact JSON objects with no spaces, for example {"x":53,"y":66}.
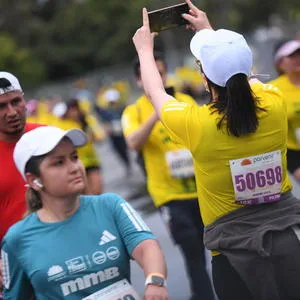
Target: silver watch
{"x":155,"y":280}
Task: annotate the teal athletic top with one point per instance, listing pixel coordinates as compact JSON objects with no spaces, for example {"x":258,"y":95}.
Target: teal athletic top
{"x":73,"y":258}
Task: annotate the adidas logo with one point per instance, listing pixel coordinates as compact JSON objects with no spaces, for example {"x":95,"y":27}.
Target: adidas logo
{"x":106,"y":238}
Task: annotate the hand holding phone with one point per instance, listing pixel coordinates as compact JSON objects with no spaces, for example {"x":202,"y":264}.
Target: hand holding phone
{"x":196,"y":18}
{"x":168,"y":17}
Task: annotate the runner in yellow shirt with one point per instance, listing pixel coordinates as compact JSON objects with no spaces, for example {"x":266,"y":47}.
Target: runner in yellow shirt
{"x":170,"y":180}
{"x":287,"y":61}
{"x":75,"y":118}
{"x":238,"y":143}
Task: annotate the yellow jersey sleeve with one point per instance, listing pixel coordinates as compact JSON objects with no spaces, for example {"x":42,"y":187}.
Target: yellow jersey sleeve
{"x":130,"y":119}
{"x":185,"y":98}
{"x":268,"y":89}
{"x":183,"y":120}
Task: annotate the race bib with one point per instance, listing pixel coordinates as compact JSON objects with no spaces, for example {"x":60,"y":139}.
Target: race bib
{"x":297,"y":134}
{"x":180,"y":163}
{"x":116,"y":127}
{"x":257,"y":179}
{"x":121,"y":290}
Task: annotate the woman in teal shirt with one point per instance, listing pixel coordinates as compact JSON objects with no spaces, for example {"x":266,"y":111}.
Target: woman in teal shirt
{"x":72,"y":246}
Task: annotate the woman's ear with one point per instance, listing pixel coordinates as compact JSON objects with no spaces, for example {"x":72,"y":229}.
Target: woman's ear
{"x":34,"y":182}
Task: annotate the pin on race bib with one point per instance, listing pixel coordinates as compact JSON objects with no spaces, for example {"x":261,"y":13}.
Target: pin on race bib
{"x":257,"y":179}
{"x":180,"y":163}
{"x":121,"y":290}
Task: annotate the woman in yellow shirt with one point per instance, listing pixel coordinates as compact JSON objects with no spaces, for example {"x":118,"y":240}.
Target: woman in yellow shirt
{"x":238,"y":144}
{"x":287,"y":62}
{"x":75,"y":118}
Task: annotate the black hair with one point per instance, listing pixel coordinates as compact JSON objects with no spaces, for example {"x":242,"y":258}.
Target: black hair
{"x":4,"y":83}
{"x":237,"y":104}
{"x":74,"y":103}
{"x":33,"y":165}
{"x":137,"y":66}
{"x":33,"y":198}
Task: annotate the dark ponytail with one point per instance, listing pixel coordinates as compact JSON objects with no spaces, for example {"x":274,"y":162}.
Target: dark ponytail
{"x":237,"y":104}
{"x":33,"y":197}
{"x":33,"y":200}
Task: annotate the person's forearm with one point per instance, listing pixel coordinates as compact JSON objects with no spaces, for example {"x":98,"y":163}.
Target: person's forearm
{"x":150,"y":257}
{"x":152,"y":82}
{"x":138,"y":138}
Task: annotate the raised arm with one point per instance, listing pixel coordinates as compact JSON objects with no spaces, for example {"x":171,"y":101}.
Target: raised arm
{"x":143,"y":41}
{"x":152,"y":82}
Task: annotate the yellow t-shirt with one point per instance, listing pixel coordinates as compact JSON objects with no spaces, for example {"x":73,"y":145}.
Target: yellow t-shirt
{"x":44,"y":118}
{"x":291,"y":94}
{"x":212,"y":149}
{"x":161,"y":185}
{"x":86,"y":153}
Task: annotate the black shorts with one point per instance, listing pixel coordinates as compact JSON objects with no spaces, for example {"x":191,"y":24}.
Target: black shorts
{"x":293,"y":160}
{"x":185,"y":221}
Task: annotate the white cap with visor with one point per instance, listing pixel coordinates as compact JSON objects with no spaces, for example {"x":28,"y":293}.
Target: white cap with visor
{"x":43,"y":140}
{"x":222,"y":54}
{"x":14,"y":83}
{"x":287,"y":49}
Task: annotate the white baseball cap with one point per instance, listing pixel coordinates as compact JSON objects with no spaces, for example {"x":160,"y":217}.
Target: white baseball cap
{"x":14,"y":83}
{"x":287,"y":49}
{"x":43,"y":140}
{"x":59,"y":109}
{"x":222,"y":54}
{"x":112,"y":95}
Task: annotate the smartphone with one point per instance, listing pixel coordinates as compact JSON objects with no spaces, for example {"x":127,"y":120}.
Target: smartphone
{"x":168,"y":17}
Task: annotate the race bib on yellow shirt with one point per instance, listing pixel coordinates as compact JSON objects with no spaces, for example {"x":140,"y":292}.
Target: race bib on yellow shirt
{"x":297,"y":134}
{"x":257,"y":179}
{"x":180,"y":163}
{"x":121,"y":290}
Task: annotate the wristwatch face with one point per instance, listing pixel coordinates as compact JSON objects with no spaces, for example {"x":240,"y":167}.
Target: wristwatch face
{"x":156,"y":280}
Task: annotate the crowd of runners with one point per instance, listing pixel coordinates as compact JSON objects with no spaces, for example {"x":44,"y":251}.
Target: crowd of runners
{"x":218,"y":174}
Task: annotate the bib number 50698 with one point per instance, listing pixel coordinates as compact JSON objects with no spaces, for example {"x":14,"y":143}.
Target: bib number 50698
{"x":260,"y":179}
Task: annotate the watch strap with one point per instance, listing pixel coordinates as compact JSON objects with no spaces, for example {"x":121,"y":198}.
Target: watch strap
{"x":157,"y":279}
